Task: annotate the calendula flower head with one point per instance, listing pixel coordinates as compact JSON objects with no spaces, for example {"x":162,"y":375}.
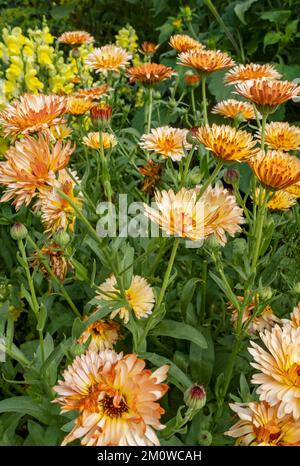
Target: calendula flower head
{"x":293,"y":189}
{"x":184,"y":43}
{"x":76,"y":38}
{"x":101,"y":114}
{"x":181,"y":214}
{"x":259,"y":424}
{"x":276,"y":169}
{"x":279,"y":369}
{"x":152,"y":175}
{"x":294,"y":320}
{"x":32,"y":113}
{"x":265,"y":320}
{"x":250,"y":71}
{"x":103,"y":334}
{"x":267,"y":94}
{"x":78,"y":105}
{"x":56,"y":211}
{"x":149,"y":73}
{"x":139,"y":296}
{"x":232,"y":108}
{"x":127,"y":39}
{"x":205,"y":61}
{"x":93,"y":140}
{"x":30,"y":166}
{"x":116,"y":397}
{"x":166,"y":141}
{"x":149,"y":48}
{"x":282,"y":136}
{"x":281,"y":200}
{"x":227,"y":143}
{"x":57,"y":261}
{"x":191,"y":79}
{"x":108,"y":58}
{"x":93,"y":93}
{"x":60,"y":132}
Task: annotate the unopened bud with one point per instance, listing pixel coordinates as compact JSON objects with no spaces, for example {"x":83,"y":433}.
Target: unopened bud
{"x":101,"y":114}
{"x":191,"y":136}
{"x":205,"y":438}
{"x":62,"y":238}
{"x":296,"y":288}
{"x":75,"y":53}
{"x":195,"y":397}
{"x":18,"y":231}
{"x":231,"y":176}
{"x":266,"y":293}
{"x":191,"y":79}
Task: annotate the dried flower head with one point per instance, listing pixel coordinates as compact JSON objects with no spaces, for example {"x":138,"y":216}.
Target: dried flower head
{"x":57,"y":261}
{"x":166,"y":141}
{"x":149,"y":73}
{"x":152,"y":175}
{"x":108,"y":58}
{"x":241,"y":73}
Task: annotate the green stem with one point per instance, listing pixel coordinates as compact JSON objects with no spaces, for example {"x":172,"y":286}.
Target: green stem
{"x":187,"y":166}
{"x":258,"y":229}
{"x":35,"y":303}
{"x":204,"y":100}
{"x":203,"y":292}
{"x":167,"y":275}
{"x":150,"y":107}
{"x":211,"y":178}
{"x":82,"y":190}
{"x":263,"y":130}
{"x":193,"y":106}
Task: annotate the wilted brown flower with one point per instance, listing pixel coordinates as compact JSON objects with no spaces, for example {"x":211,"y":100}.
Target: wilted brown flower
{"x":58,"y":263}
{"x":152,"y":173}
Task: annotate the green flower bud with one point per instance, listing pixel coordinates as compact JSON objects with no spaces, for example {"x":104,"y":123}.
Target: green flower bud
{"x":18,"y":231}
{"x":231,"y":176}
{"x":195,"y":397}
{"x":296,"y":288}
{"x":204,"y":438}
{"x":266,"y":293}
{"x":62,"y":238}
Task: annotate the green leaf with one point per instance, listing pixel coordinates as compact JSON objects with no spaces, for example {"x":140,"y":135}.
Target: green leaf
{"x":187,"y":294}
{"x":272,"y":38}
{"x":241,"y":8}
{"x":42,"y":318}
{"x":24,"y":405}
{"x":277,"y":17}
{"x":202,"y":360}
{"x":177,"y":377}
{"x":216,"y":87}
{"x":173,"y":329}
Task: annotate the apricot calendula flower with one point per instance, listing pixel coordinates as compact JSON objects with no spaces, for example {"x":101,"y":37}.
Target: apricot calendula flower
{"x":241,"y":73}
{"x":103,"y":334}
{"x":57,"y":212}
{"x":281,"y":200}
{"x":108,"y":58}
{"x":259,"y":424}
{"x":267,"y":94}
{"x":184,"y":43}
{"x":60,"y":132}
{"x":166,"y":141}
{"x":32,"y":113}
{"x":79,"y":389}
{"x":294,"y":189}
{"x":93,"y":140}
{"x":149,"y":73}
{"x":282,"y":136}
{"x":149,"y":48}
{"x":182,"y":215}
{"x":294,"y":320}
{"x":30,"y":165}
{"x":125,"y":411}
{"x":93,"y":93}
{"x":78,"y":105}
{"x":57,"y":261}
{"x":263,"y":321}
{"x":279,"y":366}
{"x":232,"y":108}
{"x":139,"y":296}
{"x":276,"y":169}
{"x":205,"y":61}
{"x":76,"y":38}
{"x":227,"y":143}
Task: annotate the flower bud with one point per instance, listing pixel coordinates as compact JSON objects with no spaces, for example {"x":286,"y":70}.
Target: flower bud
{"x":191,"y":79}
{"x":296,"y":288}
{"x":62,"y":238}
{"x":195,"y":397}
{"x":265,"y":293}
{"x":191,"y":135}
{"x":18,"y":231}
{"x":101,"y":114}
{"x":75,"y":52}
{"x":205,"y":438}
{"x":231,"y":176}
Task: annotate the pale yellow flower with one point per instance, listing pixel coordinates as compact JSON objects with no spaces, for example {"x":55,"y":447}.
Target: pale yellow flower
{"x":166,"y":141}
{"x":282,"y":136}
{"x":108,"y":58}
{"x":93,"y":140}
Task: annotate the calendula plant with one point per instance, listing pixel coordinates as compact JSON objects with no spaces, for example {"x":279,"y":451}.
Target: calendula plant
{"x":149,"y":288}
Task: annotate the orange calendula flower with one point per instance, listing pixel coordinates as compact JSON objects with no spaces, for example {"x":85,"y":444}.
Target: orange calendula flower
{"x":166,"y":141}
{"x":294,"y":189}
{"x":78,"y":105}
{"x":279,"y":369}
{"x":149,"y":73}
{"x":116,"y":397}
{"x":241,"y":73}
{"x":232,"y":108}
{"x":281,"y":200}
{"x":93,"y":140}
{"x":32,"y":113}
{"x":103,"y":334}
{"x":139,"y":296}
{"x":94,"y":93}
{"x":205,"y":61}
{"x":108,"y":58}
{"x":276,"y":169}
{"x":265,"y":320}
{"x":76,"y":38}
{"x":101,"y":113}
{"x":149,"y":48}
{"x":268,"y":94}
{"x":182,"y":215}
{"x":259,"y":424}
{"x":56,"y":211}
{"x":282,"y":136}
{"x":227,"y":143}
{"x":184,"y":43}
{"x":30,"y":166}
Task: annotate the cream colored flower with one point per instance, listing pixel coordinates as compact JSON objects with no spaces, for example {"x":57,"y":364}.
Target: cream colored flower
{"x":263,"y":321}
{"x":232,"y":108}
{"x":294,"y":320}
{"x":279,"y":369}
{"x":166,"y":141}
{"x":108,"y":58}
{"x":241,"y":73}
